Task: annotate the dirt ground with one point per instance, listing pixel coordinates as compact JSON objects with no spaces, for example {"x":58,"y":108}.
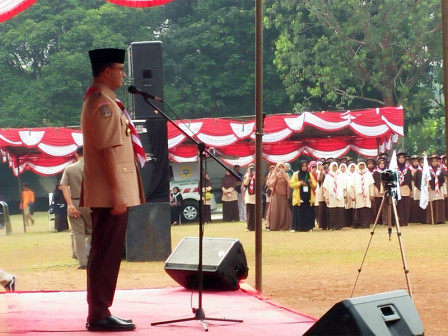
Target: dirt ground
{"x":311,"y":288}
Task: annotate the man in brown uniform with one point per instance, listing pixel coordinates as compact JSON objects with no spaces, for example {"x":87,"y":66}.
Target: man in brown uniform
{"x":111,"y":184}
{"x":80,"y":219}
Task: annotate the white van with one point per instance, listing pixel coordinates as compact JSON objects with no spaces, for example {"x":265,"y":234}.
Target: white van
{"x":185,"y":176}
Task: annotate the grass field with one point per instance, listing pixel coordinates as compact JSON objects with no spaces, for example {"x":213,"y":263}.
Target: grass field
{"x":308,"y":272}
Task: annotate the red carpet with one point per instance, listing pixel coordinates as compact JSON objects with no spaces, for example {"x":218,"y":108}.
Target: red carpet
{"x":64,"y":313}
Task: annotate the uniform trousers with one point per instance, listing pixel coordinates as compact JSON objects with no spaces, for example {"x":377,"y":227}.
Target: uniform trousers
{"x":250,"y":216}
{"x":241,"y":207}
{"x":404,"y":210}
{"x":104,"y":261}
{"x":28,"y":218}
{"x":323,"y":215}
{"x":82,"y":230}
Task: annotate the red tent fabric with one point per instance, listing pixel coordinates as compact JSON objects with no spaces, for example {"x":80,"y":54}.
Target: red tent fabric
{"x":9,"y":9}
{"x":47,"y":151}
{"x":139,"y":3}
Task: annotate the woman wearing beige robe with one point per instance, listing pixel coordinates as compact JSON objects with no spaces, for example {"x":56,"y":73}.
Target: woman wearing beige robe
{"x":279,"y":214}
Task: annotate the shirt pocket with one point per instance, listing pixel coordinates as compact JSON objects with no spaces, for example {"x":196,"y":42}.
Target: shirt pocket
{"x":125,"y":167}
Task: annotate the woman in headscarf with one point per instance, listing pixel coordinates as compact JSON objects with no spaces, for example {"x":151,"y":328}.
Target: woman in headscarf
{"x":303,"y":198}
{"x":379,"y":192}
{"x":207,"y":196}
{"x":229,"y":198}
{"x":175,"y":205}
{"x":313,"y":168}
{"x":322,"y":218}
{"x":268,"y":193}
{"x":404,"y":204}
{"x":435,"y":189}
{"x":249,"y":196}
{"x":334,"y":193}
{"x":362,"y":194}
{"x":350,"y":205}
{"x":279,"y":215}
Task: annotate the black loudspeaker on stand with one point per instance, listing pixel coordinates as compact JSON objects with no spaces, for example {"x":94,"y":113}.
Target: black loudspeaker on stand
{"x":391,"y":313}
{"x":198,"y":312}
{"x":224,"y":264}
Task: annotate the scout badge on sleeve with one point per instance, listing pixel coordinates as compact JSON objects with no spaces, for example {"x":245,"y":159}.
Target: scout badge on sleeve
{"x":105,"y":110}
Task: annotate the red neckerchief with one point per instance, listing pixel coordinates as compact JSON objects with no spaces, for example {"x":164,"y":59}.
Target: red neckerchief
{"x":252,"y":185}
{"x":436,"y":178}
{"x":89,"y":91}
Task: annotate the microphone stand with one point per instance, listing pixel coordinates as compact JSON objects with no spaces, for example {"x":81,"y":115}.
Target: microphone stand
{"x":198,"y":312}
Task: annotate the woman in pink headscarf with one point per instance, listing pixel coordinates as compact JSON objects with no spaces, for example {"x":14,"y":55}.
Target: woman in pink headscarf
{"x":279,"y":215}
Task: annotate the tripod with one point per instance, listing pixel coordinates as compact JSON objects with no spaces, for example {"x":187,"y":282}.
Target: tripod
{"x":389,"y":197}
{"x":198,"y":312}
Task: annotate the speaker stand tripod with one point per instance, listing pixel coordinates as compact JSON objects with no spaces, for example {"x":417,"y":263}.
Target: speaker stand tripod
{"x":389,"y":197}
{"x":199,"y":314}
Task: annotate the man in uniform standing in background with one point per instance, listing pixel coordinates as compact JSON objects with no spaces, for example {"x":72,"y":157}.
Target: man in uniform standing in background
{"x":111,"y":184}
{"x":79,"y":217}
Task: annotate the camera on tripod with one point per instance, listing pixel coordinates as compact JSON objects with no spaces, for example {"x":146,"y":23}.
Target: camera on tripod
{"x":390,"y":179}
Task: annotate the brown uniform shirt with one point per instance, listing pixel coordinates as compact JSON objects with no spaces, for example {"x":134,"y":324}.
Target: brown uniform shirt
{"x":105,"y":126}
{"x":72,"y":178}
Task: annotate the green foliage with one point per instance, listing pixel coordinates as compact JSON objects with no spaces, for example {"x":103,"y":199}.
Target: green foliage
{"x":349,"y":54}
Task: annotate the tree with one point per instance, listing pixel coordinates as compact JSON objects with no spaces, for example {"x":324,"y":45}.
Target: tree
{"x":351,"y":53}
{"x":44,"y":60}
{"x":210,"y":59}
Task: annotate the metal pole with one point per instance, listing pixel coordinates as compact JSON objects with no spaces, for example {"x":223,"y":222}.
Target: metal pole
{"x":445,"y":64}
{"x":258,"y":141}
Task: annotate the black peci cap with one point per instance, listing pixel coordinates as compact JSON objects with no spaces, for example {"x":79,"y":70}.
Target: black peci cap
{"x":107,"y":55}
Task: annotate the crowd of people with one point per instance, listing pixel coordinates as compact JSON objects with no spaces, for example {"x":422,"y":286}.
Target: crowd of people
{"x":334,"y":193}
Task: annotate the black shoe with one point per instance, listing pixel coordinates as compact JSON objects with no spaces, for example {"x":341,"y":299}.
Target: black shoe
{"x":111,"y":323}
{"x":124,"y":320}
{"x":11,"y":286}
{"x":82,"y":267}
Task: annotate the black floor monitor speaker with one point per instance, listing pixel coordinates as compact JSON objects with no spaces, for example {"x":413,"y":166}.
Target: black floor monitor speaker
{"x":390,"y":313}
{"x":223,"y":259}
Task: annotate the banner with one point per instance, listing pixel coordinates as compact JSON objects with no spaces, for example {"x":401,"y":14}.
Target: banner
{"x":424,"y":187}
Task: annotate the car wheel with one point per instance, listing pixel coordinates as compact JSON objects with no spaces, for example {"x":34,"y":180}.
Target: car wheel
{"x":190,"y":211}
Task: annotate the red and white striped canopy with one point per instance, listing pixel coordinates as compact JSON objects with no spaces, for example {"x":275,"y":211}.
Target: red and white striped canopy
{"x":288,"y":136}
{"x":46,"y":151}
{"x":10,"y":8}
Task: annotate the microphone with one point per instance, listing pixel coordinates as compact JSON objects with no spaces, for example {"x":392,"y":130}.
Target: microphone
{"x":134,"y":90}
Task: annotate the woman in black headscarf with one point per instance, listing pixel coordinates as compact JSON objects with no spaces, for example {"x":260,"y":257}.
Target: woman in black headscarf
{"x":229,"y":198}
{"x":302,"y":183}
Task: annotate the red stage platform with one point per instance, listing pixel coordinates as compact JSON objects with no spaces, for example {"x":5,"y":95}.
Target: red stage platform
{"x":64,"y":313}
